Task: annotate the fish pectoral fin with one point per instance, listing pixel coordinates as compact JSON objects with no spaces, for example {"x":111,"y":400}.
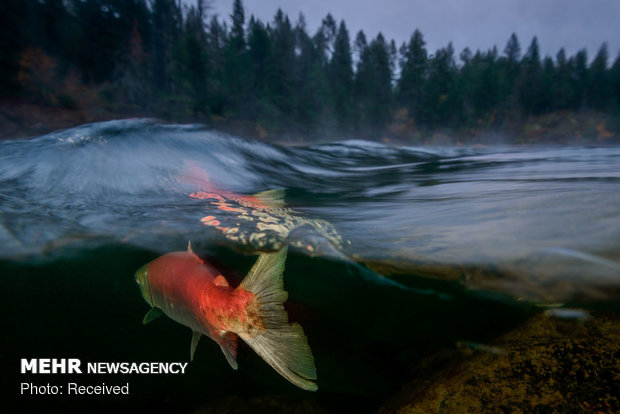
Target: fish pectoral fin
{"x":228,"y":343}
{"x":151,"y":315}
{"x":220,"y":281}
{"x":195,"y":338}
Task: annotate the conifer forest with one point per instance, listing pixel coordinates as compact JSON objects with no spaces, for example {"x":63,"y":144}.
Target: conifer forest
{"x":177,"y":61}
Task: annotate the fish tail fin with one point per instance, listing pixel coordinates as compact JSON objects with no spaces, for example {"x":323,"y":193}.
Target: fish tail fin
{"x":281,"y":344}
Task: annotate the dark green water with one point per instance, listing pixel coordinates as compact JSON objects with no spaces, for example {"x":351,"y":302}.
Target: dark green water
{"x":462,"y":243}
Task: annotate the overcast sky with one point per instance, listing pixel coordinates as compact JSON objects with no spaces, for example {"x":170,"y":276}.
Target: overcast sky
{"x":477,"y":24}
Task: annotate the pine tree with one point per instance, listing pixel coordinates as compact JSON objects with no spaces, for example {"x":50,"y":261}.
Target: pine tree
{"x":548,"y":77}
{"x":191,"y":67}
{"x":166,"y":18}
{"x":411,"y":84}
{"x":487,"y":88}
{"x":465,"y":87}
{"x":530,"y":78}
{"x":281,"y":65}
{"x":216,"y":50}
{"x":510,"y":67}
{"x":513,"y":50}
{"x":598,"y":88}
{"x":561,"y":91}
{"x":614,"y":75}
{"x":325,"y":38}
{"x":374,"y":83}
{"x":237,"y":62}
{"x":259,"y":47}
{"x":579,"y":77}
{"x":311,"y":88}
{"x":439,"y":86}
{"x":340,"y":75}
{"x":132,"y":72}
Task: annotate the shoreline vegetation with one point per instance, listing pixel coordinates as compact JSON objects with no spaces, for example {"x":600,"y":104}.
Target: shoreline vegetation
{"x":22,"y":119}
{"x":70,"y":62}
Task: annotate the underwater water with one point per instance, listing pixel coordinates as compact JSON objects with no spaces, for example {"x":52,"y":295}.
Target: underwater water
{"x":395,"y":252}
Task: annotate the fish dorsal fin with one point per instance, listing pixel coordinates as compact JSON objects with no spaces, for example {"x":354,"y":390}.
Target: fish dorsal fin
{"x":271,"y":198}
{"x":220,"y":281}
{"x":228,"y":343}
{"x":190,"y":251}
{"x":151,"y":315}
{"x":195,"y":338}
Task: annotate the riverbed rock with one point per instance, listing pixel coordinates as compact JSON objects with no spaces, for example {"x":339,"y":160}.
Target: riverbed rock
{"x":547,"y":365}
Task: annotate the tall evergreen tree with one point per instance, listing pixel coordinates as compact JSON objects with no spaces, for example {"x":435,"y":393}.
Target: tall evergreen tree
{"x":191,"y":67}
{"x":598,"y":91}
{"x":487,"y":90}
{"x":340,"y":75}
{"x":237,"y":62}
{"x":510,"y":67}
{"x":465,"y":88}
{"x":561,"y":88}
{"x":393,"y":59}
{"x":325,"y":38}
{"x":530,"y":78}
{"x":167,"y":18}
{"x":547,"y":80}
{"x":259,"y":45}
{"x":513,"y":50}
{"x":237,"y":30}
{"x":413,"y":72}
{"x":614,"y":75}
{"x":439,"y":85}
{"x":359,"y":46}
{"x":131,"y":72}
{"x":311,"y":85}
{"x":216,"y":50}
{"x":281,"y":65}
{"x":374,"y":83}
{"x":579,"y":77}
{"x":360,"y":81}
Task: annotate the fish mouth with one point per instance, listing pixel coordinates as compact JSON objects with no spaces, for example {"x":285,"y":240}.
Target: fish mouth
{"x":142,"y":278}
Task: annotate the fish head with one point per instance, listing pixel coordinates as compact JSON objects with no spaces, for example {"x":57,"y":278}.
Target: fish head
{"x":142,"y":277}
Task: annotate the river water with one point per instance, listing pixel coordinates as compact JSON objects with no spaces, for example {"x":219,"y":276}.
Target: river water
{"x":394,"y":251}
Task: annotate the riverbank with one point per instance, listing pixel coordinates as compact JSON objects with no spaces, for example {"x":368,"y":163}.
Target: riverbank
{"x":20,"y":118}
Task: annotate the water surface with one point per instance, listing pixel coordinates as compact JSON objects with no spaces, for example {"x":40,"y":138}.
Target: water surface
{"x":518,"y":220}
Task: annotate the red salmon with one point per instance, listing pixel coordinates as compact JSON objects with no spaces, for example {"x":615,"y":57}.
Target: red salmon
{"x":191,"y":292}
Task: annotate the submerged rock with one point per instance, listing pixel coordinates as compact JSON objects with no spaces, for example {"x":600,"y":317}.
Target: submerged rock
{"x":546,"y":365}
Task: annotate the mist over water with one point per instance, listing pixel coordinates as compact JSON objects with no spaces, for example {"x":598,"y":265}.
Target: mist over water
{"x":517,"y":220}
